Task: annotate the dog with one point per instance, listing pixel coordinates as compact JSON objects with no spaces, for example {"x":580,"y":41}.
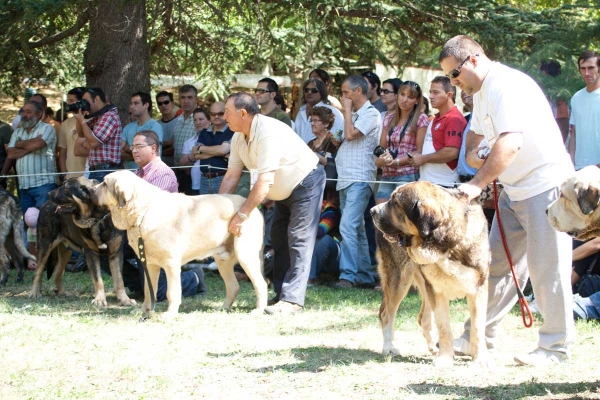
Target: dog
{"x":12,"y":246}
{"x":176,"y":229}
{"x":577,"y":210}
{"x":435,"y":239}
{"x":58,"y":232}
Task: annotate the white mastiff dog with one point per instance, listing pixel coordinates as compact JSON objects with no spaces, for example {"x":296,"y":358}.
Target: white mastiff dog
{"x":177,"y":229}
{"x":576,"y":211}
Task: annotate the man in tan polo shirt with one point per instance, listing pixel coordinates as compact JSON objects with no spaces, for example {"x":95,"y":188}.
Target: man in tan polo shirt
{"x":289,"y":173}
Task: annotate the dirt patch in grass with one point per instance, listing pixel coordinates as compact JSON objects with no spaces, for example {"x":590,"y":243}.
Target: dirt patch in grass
{"x":66,"y":348}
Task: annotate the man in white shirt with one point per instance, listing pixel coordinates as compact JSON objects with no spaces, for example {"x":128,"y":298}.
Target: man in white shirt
{"x":528,"y":157}
{"x":584,"y":145}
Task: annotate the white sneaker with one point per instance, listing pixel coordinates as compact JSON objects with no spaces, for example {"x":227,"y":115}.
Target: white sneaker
{"x":541,"y":358}
{"x":212,"y":266}
{"x":461,"y":346}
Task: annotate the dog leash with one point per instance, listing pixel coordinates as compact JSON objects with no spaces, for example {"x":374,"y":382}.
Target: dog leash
{"x":526,"y":314}
{"x":142,"y":251}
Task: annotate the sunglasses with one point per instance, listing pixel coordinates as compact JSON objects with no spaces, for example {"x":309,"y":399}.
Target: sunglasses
{"x":217,"y":114}
{"x":163,"y":103}
{"x":262,"y":91}
{"x":455,"y":73}
{"x":385,"y":91}
{"x":311,"y":90}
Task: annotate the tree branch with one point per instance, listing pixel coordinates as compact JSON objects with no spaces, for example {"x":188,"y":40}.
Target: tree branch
{"x":82,"y":19}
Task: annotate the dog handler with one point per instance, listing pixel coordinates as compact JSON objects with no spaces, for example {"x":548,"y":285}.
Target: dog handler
{"x":528,"y":157}
{"x":289,"y":173}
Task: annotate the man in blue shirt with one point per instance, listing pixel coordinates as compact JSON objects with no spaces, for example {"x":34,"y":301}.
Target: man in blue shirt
{"x":140,"y":107}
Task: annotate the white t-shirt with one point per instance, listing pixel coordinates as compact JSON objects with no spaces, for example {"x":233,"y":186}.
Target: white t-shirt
{"x":510,"y":101}
{"x":195,"y":171}
{"x":585,"y":116}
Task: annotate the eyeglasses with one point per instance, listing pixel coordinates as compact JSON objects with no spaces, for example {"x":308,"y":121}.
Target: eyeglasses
{"x":385,"y":91}
{"x":311,"y":90}
{"x":315,"y":120}
{"x":217,"y":114}
{"x":138,"y":147}
{"x":455,"y":73}
{"x":413,"y":84}
{"x":163,"y":103}
{"x":262,"y":91}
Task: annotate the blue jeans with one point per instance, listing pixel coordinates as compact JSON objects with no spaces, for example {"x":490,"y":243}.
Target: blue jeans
{"x":35,"y":197}
{"x":355,"y":262}
{"x":385,"y":189}
{"x":293,"y":236}
{"x":210,"y":185}
{"x":325,"y":258}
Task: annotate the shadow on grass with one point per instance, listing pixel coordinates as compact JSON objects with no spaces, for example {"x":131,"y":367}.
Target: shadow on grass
{"x":320,"y":358}
{"x":574,"y":390}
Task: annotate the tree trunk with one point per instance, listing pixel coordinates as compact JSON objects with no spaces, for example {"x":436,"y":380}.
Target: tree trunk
{"x":117,"y":57}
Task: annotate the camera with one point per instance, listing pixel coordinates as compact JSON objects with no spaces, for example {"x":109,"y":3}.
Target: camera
{"x":82,"y":105}
{"x":379,"y":150}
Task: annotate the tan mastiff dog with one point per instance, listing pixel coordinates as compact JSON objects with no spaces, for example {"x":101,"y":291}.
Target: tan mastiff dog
{"x":439,"y":243}
{"x":177,"y":229}
{"x":576,"y":211}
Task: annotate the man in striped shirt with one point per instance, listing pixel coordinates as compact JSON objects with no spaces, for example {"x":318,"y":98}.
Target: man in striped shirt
{"x":184,"y":129}
{"x":151,"y":168}
{"x":33,"y":145}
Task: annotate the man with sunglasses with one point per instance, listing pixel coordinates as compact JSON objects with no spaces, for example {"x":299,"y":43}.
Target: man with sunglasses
{"x":100,"y":136}
{"x":265,"y":93}
{"x":212,"y":150}
{"x":168,"y":119}
{"x":527,"y":155}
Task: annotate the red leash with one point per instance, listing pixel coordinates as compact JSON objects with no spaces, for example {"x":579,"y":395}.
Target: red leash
{"x":525,"y":311}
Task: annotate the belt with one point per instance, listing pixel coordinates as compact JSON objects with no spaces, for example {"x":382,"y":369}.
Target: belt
{"x":465,"y":178}
{"x":105,"y":166}
{"x":211,"y":175}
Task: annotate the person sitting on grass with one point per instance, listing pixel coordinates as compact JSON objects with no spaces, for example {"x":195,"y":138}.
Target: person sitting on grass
{"x":326,"y":256}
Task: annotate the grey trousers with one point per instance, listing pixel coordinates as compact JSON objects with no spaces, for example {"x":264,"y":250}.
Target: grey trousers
{"x":293,"y":236}
{"x":537,"y":251}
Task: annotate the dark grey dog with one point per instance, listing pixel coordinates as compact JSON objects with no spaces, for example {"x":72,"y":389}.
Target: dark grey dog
{"x":12,"y":246}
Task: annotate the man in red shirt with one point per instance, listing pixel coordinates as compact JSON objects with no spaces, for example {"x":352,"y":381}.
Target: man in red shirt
{"x":440,"y":148}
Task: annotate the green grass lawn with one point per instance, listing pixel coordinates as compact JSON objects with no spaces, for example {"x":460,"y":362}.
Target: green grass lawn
{"x":65,"y":348}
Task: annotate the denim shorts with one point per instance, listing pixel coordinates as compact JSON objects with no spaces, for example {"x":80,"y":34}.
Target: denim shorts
{"x":385,"y":189}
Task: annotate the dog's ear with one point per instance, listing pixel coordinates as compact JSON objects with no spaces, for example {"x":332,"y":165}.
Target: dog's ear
{"x":425,"y":221}
{"x":588,"y":198}
{"x":122,"y":192}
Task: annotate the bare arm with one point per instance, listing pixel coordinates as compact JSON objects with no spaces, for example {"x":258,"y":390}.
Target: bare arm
{"x":502,"y":155}
{"x":587,"y":249}
{"x":257,"y":195}
{"x":62,"y":160}
{"x":443,"y":155}
{"x":80,"y":150}
{"x":212,"y":151}
{"x":230,"y":180}
{"x":572,"y":144}
{"x":87,"y":133}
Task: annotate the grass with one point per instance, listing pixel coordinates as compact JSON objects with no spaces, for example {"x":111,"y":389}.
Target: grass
{"x":65,"y":348}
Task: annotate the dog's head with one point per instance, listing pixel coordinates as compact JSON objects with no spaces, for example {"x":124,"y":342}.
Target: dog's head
{"x":577,"y":210}
{"x":74,"y":195}
{"x":414,"y":210}
{"x":117,"y":189}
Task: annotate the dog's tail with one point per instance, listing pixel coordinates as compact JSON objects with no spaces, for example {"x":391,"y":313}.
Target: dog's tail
{"x":17,"y":218}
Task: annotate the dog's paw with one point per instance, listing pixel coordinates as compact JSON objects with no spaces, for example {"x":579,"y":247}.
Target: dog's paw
{"x":257,"y":311}
{"x":127,"y":302}
{"x":390,"y":351}
{"x":483,"y":360}
{"x":443,"y":362}
{"x":35,"y":294}
{"x":100,"y":302}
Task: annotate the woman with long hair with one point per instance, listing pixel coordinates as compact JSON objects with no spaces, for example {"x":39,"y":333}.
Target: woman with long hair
{"x":401,"y":132}
{"x":389,"y":95}
{"x":314,"y":94}
{"x":322,"y":75}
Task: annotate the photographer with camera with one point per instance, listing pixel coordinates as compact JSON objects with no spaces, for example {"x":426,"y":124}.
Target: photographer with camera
{"x":68,"y":162}
{"x":399,"y":140}
{"x":100,"y":135}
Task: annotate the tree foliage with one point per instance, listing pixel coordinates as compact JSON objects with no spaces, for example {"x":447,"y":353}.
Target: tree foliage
{"x":213,"y":39}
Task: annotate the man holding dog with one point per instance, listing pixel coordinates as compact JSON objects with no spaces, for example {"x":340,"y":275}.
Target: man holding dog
{"x":528,"y":157}
{"x":287,"y":172}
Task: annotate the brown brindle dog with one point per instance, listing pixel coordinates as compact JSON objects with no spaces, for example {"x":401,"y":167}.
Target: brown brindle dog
{"x":438,"y":242}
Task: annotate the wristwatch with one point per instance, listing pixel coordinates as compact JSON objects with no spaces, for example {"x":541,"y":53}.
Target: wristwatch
{"x":242,"y":216}
{"x":199,"y":150}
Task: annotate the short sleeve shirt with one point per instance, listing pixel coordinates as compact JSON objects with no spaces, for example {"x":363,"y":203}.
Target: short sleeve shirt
{"x":447,"y":131}
{"x":38,"y":167}
{"x":273,"y":147}
{"x":107,"y":130}
{"x":132,"y":128}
